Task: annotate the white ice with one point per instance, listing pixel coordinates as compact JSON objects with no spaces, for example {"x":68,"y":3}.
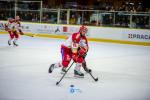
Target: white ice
{"x":123,"y":72}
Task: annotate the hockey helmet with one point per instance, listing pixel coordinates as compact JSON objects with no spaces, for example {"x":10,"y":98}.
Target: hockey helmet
{"x":83,"y":30}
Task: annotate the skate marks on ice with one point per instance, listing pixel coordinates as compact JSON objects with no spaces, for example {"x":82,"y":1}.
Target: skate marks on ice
{"x":111,"y":86}
{"x":56,"y":75}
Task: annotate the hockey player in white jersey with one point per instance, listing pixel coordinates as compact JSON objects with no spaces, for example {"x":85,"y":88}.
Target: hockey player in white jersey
{"x":75,"y":48}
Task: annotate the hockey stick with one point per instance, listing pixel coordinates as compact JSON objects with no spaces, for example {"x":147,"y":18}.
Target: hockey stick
{"x":64,"y":74}
{"x":95,"y":79}
{"x":85,"y":67}
{"x":28,"y":35}
{"x":89,"y":71}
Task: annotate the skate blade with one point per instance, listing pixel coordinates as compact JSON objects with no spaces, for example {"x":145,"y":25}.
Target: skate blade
{"x":78,"y":76}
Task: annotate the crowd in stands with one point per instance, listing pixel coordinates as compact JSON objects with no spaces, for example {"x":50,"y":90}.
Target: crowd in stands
{"x":31,"y":12}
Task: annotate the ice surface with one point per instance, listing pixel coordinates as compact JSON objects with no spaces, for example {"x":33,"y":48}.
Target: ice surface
{"x":123,"y":71}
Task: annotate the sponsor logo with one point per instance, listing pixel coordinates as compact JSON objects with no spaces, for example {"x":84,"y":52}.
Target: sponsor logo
{"x":139,"y":36}
{"x":65,"y":29}
{"x":25,"y":27}
{"x":74,"y":90}
{"x":57,"y":30}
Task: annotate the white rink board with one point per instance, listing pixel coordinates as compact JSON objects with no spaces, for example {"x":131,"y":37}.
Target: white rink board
{"x":137,"y":35}
{"x":125,"y":34}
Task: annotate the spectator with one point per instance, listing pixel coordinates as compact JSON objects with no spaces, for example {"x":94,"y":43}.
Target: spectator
{"x":79,"y":19}
{"x":72,"y":19}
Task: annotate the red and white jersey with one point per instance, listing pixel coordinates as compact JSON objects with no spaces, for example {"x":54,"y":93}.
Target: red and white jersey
{"x":76,"y":38}
{"x":10,"y":25}
{"x":18,"y":24}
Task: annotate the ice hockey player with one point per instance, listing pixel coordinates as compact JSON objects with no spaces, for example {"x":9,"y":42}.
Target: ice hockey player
{"x":14,"y":29}
{"x":18,"y":25}
{"x":8,"y":27}
{"x":74,"y":48}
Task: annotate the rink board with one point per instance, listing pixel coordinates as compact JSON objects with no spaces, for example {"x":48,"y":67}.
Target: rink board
{"x":98,"y":34}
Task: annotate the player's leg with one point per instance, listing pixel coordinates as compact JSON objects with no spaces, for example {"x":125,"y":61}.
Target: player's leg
{"x":66,"y":58}
{"x":79,"y":59}
{"x":16,"y":38}
{"x":84,"y":65}
{"x":55,"y":65}
{"x":11,"y":37}
{"x":77,"y":69}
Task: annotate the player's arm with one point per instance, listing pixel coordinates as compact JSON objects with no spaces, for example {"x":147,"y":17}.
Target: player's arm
{"x":74,"y":49}
{"x":84,"y":44}
{"x":6,"y":26}
{"x":20,"y":28}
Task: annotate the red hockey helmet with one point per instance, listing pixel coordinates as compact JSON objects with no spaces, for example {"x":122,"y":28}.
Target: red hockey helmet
{"x":83,"y":30}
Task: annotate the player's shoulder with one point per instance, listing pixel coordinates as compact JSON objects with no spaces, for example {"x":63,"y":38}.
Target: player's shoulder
{"x":76,"y":37}
{"x":75,"y":33}
{"x":17,"y":21}
{"x":84,"y":37}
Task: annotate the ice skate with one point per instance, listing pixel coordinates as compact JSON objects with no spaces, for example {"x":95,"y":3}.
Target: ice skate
{"x":9,"y":42}
{"x":63,"y":70}
{"x":51,"y":68}
{"x":78,"y":74}
{"x":14,"y":42}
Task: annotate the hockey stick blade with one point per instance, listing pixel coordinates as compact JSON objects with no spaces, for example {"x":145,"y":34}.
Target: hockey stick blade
{"x":95,"y":79}
{"x":57,"y":83}
{"x":64,"y":74}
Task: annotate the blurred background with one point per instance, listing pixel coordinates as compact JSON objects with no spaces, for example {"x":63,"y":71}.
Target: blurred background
{"x":109,"y":13}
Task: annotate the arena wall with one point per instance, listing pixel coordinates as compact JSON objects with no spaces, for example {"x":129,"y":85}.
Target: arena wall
{"x":98,"y":34}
